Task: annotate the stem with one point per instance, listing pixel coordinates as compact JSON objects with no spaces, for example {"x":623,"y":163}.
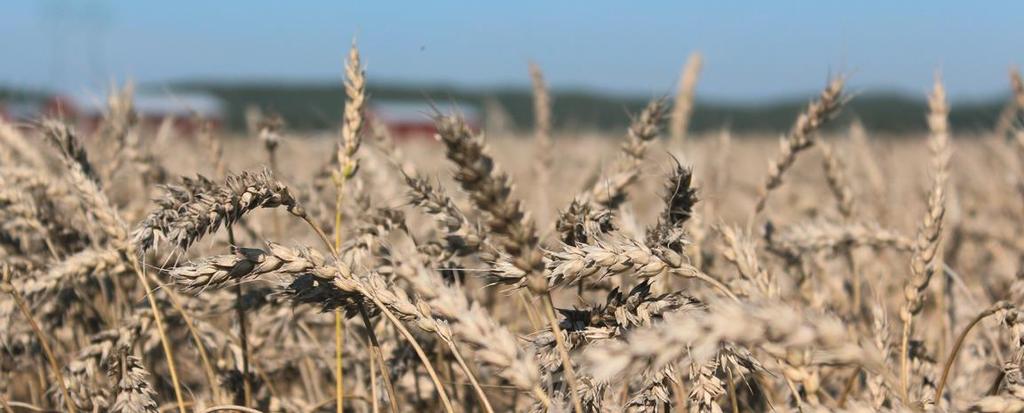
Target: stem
{"x":851,"y":263}
{"x":337,"y":214}
{"x":305,"y":373}
{"x":229,"y":407}
{"x":531,"y":314}
{"x":678,"y":393}
{"x":405,"y":333}
{"x":49,"y":245}
{"x":542,"y":397}
{"x":244,"y":341}
{"x":267,"y":381}
{"x":391,"y":317}
{"x":959,"y":343}
{"x":994,"y":388}
{"x":168,"y":354}
{"x":472,"y":378}
{"x":445,"y":372}
{"x":243,"y":337}
{"x":904,"y":365}
{"x":320,"y":233}
{"x":718,"y":285}
{"x":732,"y":393}
{"x":339,"y":387}
{"x":42,"y":341}
{"x":373,"y":381}
{"x":419,"y":352}
{"x":796,"y":394}
{"x":339,"y":344}
{"x":563,"y":351}
{"x":375,"y":349}
{"x":26,"y":406}
{"x":272,"y":160}
{"x":35,"y":386}
{"x":848,"y":387}
{"x":211,"y":378}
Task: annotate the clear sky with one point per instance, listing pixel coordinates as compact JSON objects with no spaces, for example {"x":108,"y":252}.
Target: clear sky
{"x":753,"y":50}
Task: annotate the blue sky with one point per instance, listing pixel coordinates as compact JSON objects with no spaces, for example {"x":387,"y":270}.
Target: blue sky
{"x":752,"y":50}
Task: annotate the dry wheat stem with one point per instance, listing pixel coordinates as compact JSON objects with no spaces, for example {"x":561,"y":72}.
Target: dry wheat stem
{"x":243,"y":336}
{"x":220,"y":270}
{"x":570,"y":374}
{"x":5,"y":404}
{"x":164,"y":341}
{"x":441,"y":393}
{"x":230,"y":407}
{"x":200,"y":347}
{"x":493,"y":344}
{"x":375,"y":350}
{"x":54,"y":367}
{"x":999,"y":306}
{"x":339,"y":347}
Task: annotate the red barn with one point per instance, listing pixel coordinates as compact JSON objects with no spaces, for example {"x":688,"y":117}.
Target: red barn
{"x":414,"y":119}
{"x":86,"y":111}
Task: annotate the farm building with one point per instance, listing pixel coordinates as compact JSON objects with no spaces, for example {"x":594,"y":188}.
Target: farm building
{"x":414,"y":119}
{"x":20,"y":111}
{"x":86,"y":110}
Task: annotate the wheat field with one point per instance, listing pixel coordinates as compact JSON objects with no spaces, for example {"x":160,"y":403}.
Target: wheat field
{"x":650,"y":271}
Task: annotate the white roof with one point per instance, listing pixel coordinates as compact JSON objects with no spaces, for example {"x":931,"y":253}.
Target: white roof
{"x":21,"y":110}
{"x":420,"y":111}
{"x":156,"y":104}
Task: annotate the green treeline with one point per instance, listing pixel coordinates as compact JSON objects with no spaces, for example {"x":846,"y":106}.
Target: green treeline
{"x":319,"y":106}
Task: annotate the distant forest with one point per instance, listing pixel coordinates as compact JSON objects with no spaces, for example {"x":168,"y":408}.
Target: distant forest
{"x":319,"y":106}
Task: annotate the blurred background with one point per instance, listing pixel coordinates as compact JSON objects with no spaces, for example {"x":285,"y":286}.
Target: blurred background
{"x":602,"y":59}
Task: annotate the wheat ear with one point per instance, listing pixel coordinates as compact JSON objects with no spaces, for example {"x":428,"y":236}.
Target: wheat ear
{"x":684,"y":97}
{"x":926,"y":246}
{"x":801,"y":136}
{"x":490,"y":191}
{"x":542,"y":134}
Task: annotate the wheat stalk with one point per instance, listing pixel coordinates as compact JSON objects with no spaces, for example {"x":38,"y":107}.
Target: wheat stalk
{"x":683,"y":108}
{"x":542,"y":133}
{"x":927,"y":243}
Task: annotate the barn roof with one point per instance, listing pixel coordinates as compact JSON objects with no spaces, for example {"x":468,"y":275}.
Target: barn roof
{"x":178,"y":104}
{"x":21,"y":110}
{"x":412,"y":111}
